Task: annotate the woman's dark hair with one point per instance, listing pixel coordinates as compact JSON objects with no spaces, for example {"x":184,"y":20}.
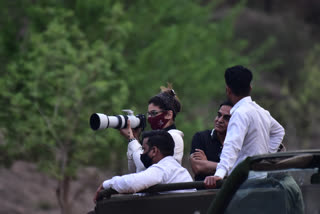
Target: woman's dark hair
{"x":238,"y":79}
{"x":160,"y":139}
{"x":167,"y":100}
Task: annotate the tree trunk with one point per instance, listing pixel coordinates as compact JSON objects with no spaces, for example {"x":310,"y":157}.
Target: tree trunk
{"x":62,"y":193}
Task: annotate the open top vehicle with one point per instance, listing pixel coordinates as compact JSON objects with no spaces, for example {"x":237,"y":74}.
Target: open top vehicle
{"x":289,"y":182}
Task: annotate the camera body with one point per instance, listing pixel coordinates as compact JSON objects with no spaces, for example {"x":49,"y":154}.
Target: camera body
{"x":100,"y":121}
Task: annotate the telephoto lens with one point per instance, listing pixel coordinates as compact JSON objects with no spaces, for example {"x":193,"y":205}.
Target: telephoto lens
{"x":100,"y":121}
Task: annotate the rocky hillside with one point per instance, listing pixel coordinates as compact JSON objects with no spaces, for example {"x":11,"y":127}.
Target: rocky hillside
{"x":24,"y":190}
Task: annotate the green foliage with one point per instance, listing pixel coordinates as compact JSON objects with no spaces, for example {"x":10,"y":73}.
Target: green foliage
{"x":12,"y":28}
{"x":311,"y":77}
{"x":179,"y":44}
{"x":80,"y":57}
{"x":307,"y":104}
{"x":296,"y":105}
{"x":52,"y":89}
{"x":64,"y":60}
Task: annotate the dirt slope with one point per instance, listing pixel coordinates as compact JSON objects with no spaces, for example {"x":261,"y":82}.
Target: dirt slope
{"x":24,"y":190}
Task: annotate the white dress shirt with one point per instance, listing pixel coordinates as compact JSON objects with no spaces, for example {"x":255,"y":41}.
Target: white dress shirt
{"x":251,"y":131}
{"x":135,"y":150}
{"x":167,"y":170}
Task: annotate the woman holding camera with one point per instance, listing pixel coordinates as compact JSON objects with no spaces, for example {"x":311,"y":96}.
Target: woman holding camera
{"x":162,"y":111}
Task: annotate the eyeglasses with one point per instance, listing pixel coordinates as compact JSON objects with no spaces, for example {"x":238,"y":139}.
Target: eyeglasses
{"x":153,"y":113}
{"x":225,"y":117}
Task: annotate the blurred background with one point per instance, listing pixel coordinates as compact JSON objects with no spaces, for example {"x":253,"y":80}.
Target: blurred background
{"x":62,"y":60}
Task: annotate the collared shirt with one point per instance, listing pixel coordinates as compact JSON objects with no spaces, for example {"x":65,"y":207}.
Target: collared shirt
{"x":166,"y":171}
{"x":135,"y":150}
{"x":251,"y":131}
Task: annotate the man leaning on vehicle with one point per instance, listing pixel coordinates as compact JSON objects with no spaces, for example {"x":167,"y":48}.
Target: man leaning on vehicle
{"x":251,"y":130}
{"x":161,"y":167}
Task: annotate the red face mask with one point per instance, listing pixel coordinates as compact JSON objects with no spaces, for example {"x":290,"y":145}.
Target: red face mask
{"x":158,"y":122}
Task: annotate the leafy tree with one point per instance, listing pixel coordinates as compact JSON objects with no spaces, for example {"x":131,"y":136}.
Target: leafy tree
{"x":176,"y":42}
{"x":184,"y":43}
{"x":79,"y":57}
{"x":307,"y":103}
{"x":50,"y":89}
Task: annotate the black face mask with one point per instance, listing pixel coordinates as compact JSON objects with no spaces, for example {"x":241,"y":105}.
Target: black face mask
{"x":146,"y":160}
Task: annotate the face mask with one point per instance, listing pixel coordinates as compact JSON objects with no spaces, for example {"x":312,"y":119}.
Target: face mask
{"x":158,"y":122}
{"x":146,"y":160}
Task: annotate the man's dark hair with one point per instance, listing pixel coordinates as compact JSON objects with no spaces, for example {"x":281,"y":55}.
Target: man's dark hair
{"x":238,"y":79}
{"x":161,"y":139}
{"x":226,"y":103}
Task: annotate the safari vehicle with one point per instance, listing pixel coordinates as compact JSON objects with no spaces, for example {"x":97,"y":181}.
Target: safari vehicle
{"x":290,"y":184}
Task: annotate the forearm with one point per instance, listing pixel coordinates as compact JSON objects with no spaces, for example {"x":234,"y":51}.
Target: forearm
{"x":134,"y":182}
{"x":276,"y":136}
{"x":204,"y":167}
{"x":137,"y":161}
{"x":131,"y":166}
{"x":233,"y":143}
{"x":227,"y":160}
{"x":133,"y":154}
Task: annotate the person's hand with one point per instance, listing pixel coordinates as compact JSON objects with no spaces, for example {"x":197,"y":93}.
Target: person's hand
{"x":211,"y":181}
{"x":127,"y":132}
{"x":97,"y":193}
{"x":199,"y":155}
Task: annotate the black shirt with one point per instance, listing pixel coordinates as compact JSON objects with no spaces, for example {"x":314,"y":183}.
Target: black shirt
{"x":210,"y":145}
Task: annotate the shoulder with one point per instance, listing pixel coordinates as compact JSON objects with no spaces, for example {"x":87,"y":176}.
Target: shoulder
{"x":250,"y":110}
{"x":201,"y":140}
{"x":243,"y":112}
{"x":175,"y":132}
{"x":165,"y":162}
{"x":204,"y":133}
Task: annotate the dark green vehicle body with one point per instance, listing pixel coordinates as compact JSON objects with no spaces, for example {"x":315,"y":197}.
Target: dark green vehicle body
{"x":292,"y":186}
{"x":160,"y":203}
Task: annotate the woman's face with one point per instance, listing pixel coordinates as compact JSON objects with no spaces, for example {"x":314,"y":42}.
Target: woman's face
{"x":159,"y":118}
{"x":154,"y":110}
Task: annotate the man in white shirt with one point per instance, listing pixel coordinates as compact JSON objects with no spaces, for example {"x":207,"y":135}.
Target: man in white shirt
{"x":135,"y":149}
{"x":251,"y":130}
{"x":161,"y":167}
